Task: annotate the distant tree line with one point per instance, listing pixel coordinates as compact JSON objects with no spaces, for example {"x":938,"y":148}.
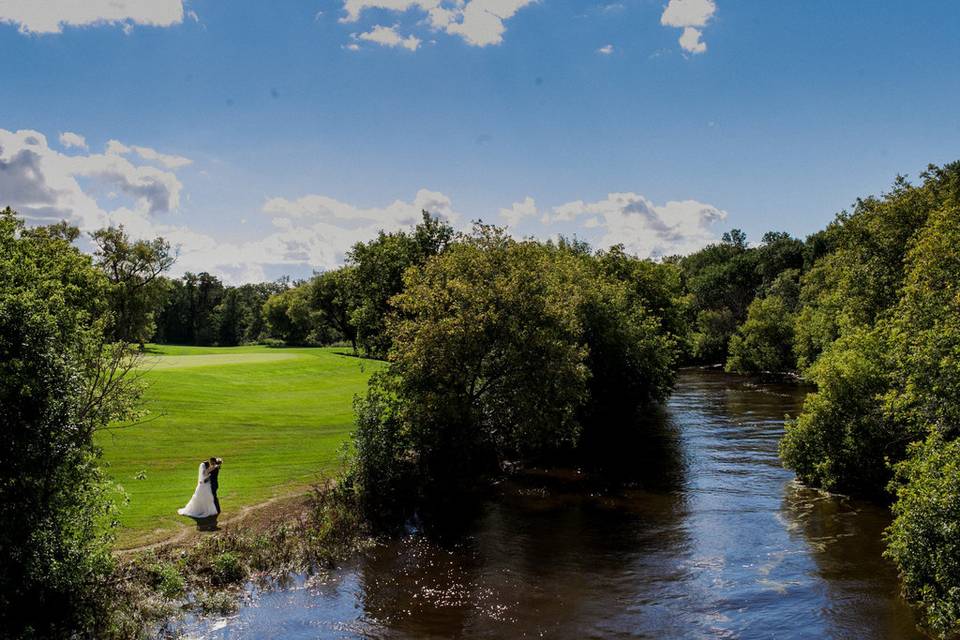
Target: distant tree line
{"x":198,"y":309}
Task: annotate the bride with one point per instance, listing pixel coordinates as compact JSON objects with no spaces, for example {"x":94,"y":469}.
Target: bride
{"x":201,"y":505}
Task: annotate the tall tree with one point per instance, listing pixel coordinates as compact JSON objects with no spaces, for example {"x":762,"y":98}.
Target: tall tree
{"x":133,"y":268}
{"x":332,"y":295}
{"x":380,"y":265}
{"x":61,"y":379}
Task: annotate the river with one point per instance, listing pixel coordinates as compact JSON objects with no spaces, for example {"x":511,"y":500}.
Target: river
{"x":713,"y":539}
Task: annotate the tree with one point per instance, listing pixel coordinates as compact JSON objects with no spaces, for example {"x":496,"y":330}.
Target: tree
{"x":485,"y":364}
{"x":61,"y":379}
{"x":240,"y":312}
{"x":504,"y":350}
{"x":288,"y":315}
{"x":332,"y":298}
{"x":877,"y":332}
{"x":722,"y":280}
{"x":765,"y":341}
{"x":843,"y":438}
{"x":860,"y":279}
{"x":191,"y":314}
{"x":778,"y":253}
{"x":922,"y":540}
{"x":925,"y":329}
{"x":379,"y":267}
{"x":200,"y":310}
{"x":134,"y":269}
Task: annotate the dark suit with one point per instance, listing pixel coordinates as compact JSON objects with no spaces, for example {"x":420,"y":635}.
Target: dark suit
{"x":214,"y":485}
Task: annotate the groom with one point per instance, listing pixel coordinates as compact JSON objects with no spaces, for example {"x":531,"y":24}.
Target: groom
{"x":214,"y":480}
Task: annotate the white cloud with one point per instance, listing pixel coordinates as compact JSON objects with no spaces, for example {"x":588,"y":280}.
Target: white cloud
{"x":45,"y":185}
{"x":92,"y":190}
{"x":50,"y":16}
{"x":518,"y":211}
{"x":388,"y":37}
{"x":691,"y":16}
{"x":168,"y":161}
{"x":642,"y":227}
{"x":479,"y":22}
{"x":606,"y":49}
{"x":69,"y":139}
{"x":398,"y":214}
{"x":690,"y":40}
{"x":117,"y":148}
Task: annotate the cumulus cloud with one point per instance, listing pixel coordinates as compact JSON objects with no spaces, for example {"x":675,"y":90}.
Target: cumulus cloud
{"x":309,"y":233}
{"x":51,"y":16}
{"x":691,"y":16}
{"x":518,"y":211}
{"x":319,"y":208}
{"x":388,"y":37}
{"x":69,"y":139}
{"x":44,"y":184}
{"x":117,"y":148}
{"x":690,"y":40}
{"x":606,"y":49}
{"x":479,"y":22}
{"x":644,"y":228}
{"x":168,"y":161}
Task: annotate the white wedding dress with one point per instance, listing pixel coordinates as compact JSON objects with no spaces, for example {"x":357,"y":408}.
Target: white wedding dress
{"x":201,"y":505}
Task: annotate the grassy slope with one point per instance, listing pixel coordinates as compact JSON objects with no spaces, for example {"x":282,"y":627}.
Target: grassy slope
{"x":276,"y":416}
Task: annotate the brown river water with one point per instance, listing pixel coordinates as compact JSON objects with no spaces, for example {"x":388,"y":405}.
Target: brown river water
{"x":713,"y":539}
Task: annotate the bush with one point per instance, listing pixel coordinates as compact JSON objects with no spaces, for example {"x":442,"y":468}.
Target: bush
{"x":167,"y":579}
{"x":924,"y":539}
{"x":227,"y":568}
{"x":843,"y":439}
{"x":713,"y":330}
{"x":765,"y":341}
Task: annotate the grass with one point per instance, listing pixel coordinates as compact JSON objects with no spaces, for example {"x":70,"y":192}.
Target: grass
{"x":277,"y":417}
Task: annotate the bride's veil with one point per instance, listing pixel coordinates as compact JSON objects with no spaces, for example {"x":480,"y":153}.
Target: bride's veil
{"x":200,"y":473}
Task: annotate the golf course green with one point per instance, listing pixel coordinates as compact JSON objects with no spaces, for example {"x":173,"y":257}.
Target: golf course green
{"x":278,"y":418}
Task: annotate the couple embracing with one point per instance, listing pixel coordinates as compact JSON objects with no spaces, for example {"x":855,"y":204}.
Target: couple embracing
{"x":205,"y":503}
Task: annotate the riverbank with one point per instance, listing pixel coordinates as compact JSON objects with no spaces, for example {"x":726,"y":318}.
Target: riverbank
{"x":155,"y":587}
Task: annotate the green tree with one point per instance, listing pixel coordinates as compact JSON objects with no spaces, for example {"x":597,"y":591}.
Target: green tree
{"x":485,"y":364}
{"x":332,"y":297}
{"x":60,"y":380}
{"x":843,"y":439}
{"x":504,"y":350}
{"x":925,"y":329}
{"x":765,"y":341}
{"x":924,"y":538}
{"x":722,"y":280}
{"x":289,"y":316}
{"x":134,"y":269}
{"x":877,"y":333}
{"x":860,"y":279}
{"x":379,"y":267}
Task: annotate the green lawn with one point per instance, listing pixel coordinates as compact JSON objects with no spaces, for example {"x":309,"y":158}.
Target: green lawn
{"x":276,"y":416}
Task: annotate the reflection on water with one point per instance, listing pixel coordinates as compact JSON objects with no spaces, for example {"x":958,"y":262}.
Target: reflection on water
{"x":710,"y":539}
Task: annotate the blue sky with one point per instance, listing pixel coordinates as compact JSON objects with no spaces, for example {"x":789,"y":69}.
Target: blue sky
{"x":264,"y":138}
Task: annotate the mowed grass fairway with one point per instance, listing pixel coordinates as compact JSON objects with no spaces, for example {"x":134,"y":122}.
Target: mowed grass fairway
{"x":277,"y":417}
